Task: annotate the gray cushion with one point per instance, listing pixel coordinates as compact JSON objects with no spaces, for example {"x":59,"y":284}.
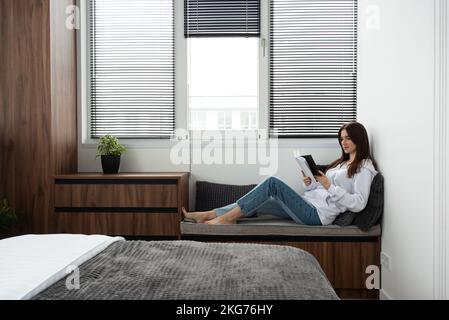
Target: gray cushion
{"x":214,"y":195}
{"x":345,"y":219}
{"x":372,"y":214}
{"x":373,"y":211}
{"x":273,"y":226}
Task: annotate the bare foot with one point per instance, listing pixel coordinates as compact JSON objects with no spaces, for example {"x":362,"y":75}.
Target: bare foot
{"x":221,"y":221}
{"x":199,"y":217}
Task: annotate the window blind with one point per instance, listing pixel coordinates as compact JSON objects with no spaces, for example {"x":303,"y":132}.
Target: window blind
{"x":214,"y":18}
{"x":313,"y":67}
{"x":132,"y":74}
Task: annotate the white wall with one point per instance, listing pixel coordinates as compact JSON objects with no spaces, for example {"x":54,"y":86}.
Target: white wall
{"x":396,"y":102}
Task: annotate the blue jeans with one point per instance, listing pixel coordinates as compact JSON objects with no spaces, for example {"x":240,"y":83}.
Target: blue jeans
{"x":274,"y":197}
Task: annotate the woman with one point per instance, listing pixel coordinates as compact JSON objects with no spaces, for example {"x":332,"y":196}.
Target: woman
{"x":345,"y":186}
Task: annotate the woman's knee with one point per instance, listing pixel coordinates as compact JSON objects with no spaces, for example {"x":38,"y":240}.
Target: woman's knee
{"x":273,"y":179}
{"x":274,"y":184}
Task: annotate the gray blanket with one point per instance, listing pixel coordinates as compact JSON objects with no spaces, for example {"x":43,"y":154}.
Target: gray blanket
{"x":174,"y":270}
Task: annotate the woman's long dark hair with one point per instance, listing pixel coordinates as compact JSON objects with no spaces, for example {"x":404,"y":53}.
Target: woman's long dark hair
{"x":357,"y":132}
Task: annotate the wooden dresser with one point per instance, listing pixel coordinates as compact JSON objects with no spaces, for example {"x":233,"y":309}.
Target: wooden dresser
{"x":124,"y":204}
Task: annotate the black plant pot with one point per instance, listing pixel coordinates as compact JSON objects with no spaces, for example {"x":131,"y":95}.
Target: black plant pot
{"x":110,"y":164}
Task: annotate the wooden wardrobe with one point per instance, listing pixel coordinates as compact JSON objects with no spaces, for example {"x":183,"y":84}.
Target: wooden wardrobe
{"x":38,"y":115}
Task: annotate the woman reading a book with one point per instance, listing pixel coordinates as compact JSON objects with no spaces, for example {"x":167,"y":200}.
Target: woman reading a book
{"x":345,"y":186}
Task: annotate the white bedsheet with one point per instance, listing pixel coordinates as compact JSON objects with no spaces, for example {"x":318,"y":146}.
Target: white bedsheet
{"x":30,"y":264}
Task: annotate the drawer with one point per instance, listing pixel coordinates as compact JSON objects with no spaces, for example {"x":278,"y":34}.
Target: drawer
{"x":116,"y":195}
{"x":126,"y":224}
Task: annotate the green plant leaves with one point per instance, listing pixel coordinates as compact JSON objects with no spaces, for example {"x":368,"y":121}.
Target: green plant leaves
{"x":110,"y":146}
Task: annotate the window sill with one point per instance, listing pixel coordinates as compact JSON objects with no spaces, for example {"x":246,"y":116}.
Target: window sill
{"x":135,"y":144}
{"x":168,"y":144}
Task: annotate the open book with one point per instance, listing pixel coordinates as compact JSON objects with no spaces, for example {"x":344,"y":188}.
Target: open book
{"x":308,"y":165}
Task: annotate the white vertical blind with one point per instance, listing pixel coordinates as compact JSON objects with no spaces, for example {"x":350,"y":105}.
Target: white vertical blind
{"x":132,"y":73}
{"x":313,"y":66}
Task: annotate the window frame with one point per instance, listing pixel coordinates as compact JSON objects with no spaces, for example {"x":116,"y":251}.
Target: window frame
{"x":84,"y":104}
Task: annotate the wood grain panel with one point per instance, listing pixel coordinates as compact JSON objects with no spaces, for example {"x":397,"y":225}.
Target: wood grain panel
{"x":7,"y":166}
{"x":29,"y":103}
{"x":146,"y":204}
{"x":31,"y":107}
{"x":116,"y":196}
{"x":352,"y":259}
{"x":126,"y":224}
{"x":64,"y":124}
{"x":33,"y":113}
{"x":63,"y":89}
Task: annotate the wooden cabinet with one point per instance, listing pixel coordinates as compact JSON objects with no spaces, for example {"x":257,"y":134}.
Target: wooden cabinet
{"x":38,"y":107}
{"x":122,"y":204}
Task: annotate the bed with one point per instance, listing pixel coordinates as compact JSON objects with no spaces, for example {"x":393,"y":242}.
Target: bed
{"x":81,"y":267}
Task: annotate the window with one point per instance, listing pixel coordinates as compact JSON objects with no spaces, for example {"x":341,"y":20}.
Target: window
{"x":313,"y":66}
{"x":223,"y":77}
{"x":223,"y":62}
{"x":308,"y":85}
{"x":132,"y":76}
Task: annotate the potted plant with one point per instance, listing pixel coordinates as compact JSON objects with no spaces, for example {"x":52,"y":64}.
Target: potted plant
{"x":110,"y":150}
{"x":7,"y":216}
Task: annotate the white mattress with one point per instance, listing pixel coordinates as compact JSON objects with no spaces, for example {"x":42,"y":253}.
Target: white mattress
{"x":30,"y":264}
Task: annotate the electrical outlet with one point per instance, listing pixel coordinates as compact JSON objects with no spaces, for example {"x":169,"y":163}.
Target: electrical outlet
{"x":385,"y":261}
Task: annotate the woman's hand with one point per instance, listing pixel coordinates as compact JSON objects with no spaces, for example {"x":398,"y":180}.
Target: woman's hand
{"x":323,"y":180}
{"x":307,"y":180}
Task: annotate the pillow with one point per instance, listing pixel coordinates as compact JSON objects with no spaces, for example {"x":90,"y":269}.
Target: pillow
{"x":345,"y":219}
{"x":210,"y":196}
{"x":372,"y":214}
